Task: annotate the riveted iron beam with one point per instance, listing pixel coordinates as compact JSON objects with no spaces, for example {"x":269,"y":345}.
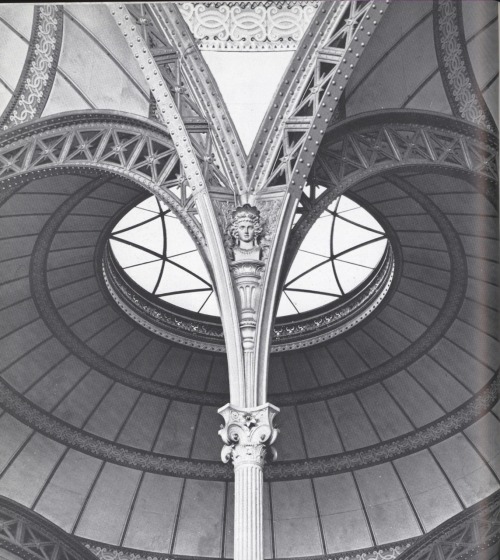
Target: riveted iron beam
{"x":196,"y":88}
{"x":364,"y":146}
{"x":297,"y":120}
{"x":196,"y":178}
{"x":287,"y":144}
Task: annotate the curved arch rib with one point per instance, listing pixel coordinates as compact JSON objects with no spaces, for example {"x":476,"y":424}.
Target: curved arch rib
{"x":194,"y":86}
{"x":192,"y":169}
{"x":288,"y":141}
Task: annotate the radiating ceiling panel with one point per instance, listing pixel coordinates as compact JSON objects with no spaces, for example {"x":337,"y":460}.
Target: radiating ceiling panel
{"x":343,"y":517}
{"x":296,"y":525}
{"x":65,"y":495}
{"x":16,"y":44}
{"x":388,"y":508}
{"x":472,"y":479}
{"x":96,"y":79}
{"x":27,"y":474}
{"x":107,"y":508}
{"x":432,"y":495}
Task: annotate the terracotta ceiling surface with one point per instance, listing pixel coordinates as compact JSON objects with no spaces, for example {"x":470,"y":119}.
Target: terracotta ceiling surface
{"x":109,"y":431}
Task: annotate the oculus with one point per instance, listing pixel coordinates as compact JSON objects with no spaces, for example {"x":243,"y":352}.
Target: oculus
{"x":340,"y":252}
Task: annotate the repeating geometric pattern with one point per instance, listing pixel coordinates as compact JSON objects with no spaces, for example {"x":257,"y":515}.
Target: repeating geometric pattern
{"x":33,"y":538}
{"x":136,"y":150}
{"x":196,"y":94}
{"x":364,"y":146}
{"x":463,"y":536}
{"x":39,"y":72}
{"x":297,"y":118}
{"x":248,"y":25}
{"x":458,"y":77}
{"x":389,"y":552}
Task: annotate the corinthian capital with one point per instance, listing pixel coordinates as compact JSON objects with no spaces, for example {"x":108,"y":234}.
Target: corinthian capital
{"x":248,"y":433}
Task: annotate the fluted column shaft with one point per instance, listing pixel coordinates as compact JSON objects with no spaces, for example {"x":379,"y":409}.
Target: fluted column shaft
{"x":248,"y":434}
{"x":248,"y":514}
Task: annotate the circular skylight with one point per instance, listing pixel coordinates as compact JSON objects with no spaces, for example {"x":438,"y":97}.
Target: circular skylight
{"x":339,"y":252}
{"x":155,"y":250}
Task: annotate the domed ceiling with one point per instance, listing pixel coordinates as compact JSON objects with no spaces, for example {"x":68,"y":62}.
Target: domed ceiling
{"x":389,"y":428}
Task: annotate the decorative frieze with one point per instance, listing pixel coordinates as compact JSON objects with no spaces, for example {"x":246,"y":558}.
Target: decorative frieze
{"x":248,"y":26}
{"x":108,"y":552}
{"x":38,"y":75}
{"x":462,"y":90}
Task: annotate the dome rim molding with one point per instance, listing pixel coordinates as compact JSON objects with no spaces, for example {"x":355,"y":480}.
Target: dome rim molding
{"x":149,"y":461}
{"x":202,"y":331}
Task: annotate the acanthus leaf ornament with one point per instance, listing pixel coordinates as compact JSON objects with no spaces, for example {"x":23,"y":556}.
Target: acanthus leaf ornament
{"x":248,"y":434}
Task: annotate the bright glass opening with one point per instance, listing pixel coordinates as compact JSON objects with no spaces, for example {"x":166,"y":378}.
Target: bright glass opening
{"x":155,"y":250}
{"x":339,"y":252}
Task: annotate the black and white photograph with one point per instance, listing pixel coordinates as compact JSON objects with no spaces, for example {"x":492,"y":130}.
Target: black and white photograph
{"x":249,"y":280}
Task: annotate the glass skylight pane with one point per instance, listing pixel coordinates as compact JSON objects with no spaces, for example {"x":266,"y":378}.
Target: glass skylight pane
{"x":127,"y":255}
{"x":149,"y":235}
{"x":303,"y":262}
{"x":146,"y":275}
{"x":175,"y":279}
{"x":193,"y":263}
{"x":320,"y":279}
{"x":345,"y":205}
{"x":347,"y":235}
{"x":362,"y":217}
{"x":190,"y":301}
{"x":149,"y":204}
{"x":285,"y":307}
{"x":304,"y":301}
{"x":318,"y":238}
{"x":369,"y":255}
{"x":351,"y":275}
{"x":178,"y":239}
{"x":211,"y":306}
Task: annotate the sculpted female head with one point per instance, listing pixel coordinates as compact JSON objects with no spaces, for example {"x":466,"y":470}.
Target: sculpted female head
{"x":245,"y":224}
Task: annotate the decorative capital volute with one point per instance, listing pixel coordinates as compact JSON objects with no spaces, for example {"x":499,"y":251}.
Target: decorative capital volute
{"x":248,"y":433}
